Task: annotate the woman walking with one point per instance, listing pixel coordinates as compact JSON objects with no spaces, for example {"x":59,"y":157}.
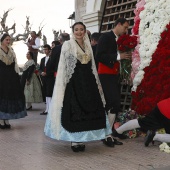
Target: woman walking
{"x":77,"y":113}
{"x":30,"y":83}
{"x":12,"y":101}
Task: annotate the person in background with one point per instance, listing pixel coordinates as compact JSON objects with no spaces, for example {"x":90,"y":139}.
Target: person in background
{"x":158,"y":118}
{"x":108,"y":66}
{"x":89,"y":34}
{"x":12,"y":101}
{"x":54,"y":43}
{"x":77,"y":112}
{"x":34,"y":45}
{"x":94,"y":41}
{"x":30,"y":83}
{"x":55,"y":53}
{"x":47,"y":74}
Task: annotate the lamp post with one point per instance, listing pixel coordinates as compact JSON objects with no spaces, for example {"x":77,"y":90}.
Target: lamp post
{"x":71,"y":19}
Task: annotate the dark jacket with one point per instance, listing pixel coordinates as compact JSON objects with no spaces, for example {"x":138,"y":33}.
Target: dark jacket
{"x":26,"y":75}
{"x":106,"y":51}
{"x":55,"y":57}
{"x":94,"y":47}
{"x":48,"y":80}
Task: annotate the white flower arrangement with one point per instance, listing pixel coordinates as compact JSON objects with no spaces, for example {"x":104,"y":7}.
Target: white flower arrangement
{"x":153,"y":21}
{"x":164,"y":147}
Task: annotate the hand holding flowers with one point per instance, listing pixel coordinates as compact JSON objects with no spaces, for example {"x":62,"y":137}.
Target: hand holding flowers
{"x":126,"y":45}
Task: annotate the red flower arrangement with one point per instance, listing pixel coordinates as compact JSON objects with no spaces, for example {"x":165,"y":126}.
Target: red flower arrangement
{"x":155,"y":85}
{"x":126,"y":43}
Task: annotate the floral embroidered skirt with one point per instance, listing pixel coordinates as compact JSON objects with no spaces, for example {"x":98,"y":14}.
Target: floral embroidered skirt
{"x":33,"y":91}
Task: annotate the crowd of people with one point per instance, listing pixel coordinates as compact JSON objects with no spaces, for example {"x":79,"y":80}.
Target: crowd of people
{"x":78,"y":79}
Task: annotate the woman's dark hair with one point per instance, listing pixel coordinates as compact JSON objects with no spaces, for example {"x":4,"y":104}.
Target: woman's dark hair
{"x":4,"y":36}
{"x":78,"y":23}
{"x":31,"y":54}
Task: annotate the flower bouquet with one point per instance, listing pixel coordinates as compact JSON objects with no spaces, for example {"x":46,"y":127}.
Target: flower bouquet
{"x":126,"y":43}
{"x":37,"y":70}
{"x":125,"y":117}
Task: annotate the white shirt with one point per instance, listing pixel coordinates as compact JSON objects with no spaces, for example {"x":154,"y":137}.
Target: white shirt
{"x":46,"y":60}
{"x":37,"y":43}
{"x":118,"y":54}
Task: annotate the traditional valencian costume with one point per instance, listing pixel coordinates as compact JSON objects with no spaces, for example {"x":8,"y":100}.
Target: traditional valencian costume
{"x":12,"y":101}
{"x":32,"y":91}
{"x":77,"y":111}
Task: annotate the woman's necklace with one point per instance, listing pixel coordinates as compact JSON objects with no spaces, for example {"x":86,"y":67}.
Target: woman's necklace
{"x":84,"y":57}
{"x":5,"y":50}
{"x":81,"y":46}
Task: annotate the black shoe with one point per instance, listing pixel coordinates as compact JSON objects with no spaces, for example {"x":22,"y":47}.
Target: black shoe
{"x":2,"y":126}
{"x":82,"y":147}
{"x":30,"y":108}
{"x":149,"y":137}
{"x":120,"y":136}
{"x":109,"y":141}
{"x":116,"y":142}
{"x":43,"y":113}
{"x":7,"y":126}
{"x":75,"y":148}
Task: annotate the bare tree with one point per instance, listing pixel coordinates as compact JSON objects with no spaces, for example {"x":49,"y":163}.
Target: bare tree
{"x":57,"y":34}
{"x":3,"y":21}
{"x":12,"y":30}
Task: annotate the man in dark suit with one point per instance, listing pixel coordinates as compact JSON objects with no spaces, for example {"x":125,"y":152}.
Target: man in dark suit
{"x":55,"y":54}
{"x":108,"y":70}
{"x":94,"y":41}
{"x":47,"y":75}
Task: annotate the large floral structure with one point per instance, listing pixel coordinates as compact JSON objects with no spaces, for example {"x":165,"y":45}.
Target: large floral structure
{"x":151,"y":58}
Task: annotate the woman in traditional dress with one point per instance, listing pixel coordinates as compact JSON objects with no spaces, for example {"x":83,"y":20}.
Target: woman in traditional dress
{"x":30,"y":83}
{"x":12,"y":101}
{"x":77,"y":111}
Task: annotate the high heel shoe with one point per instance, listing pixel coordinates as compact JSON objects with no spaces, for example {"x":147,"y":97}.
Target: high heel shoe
{"x":30,"y":108}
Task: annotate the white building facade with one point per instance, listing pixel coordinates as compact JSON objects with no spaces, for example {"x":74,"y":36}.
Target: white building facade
{"x":90,"y":13}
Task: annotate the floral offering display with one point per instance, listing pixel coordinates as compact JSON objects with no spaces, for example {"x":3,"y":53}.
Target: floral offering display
{"x":151,"y":83}
{"x":164,"y":147}
{"x":135,"y":30}
{"x":125,"y":117}
{"x":126,"y":43}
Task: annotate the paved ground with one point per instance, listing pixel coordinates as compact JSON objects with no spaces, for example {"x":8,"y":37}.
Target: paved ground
{"x":25,"y":147}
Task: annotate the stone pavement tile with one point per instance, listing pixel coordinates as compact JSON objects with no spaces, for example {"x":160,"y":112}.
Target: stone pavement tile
{"x":25,"y":147}
{"x":165,"y":168}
